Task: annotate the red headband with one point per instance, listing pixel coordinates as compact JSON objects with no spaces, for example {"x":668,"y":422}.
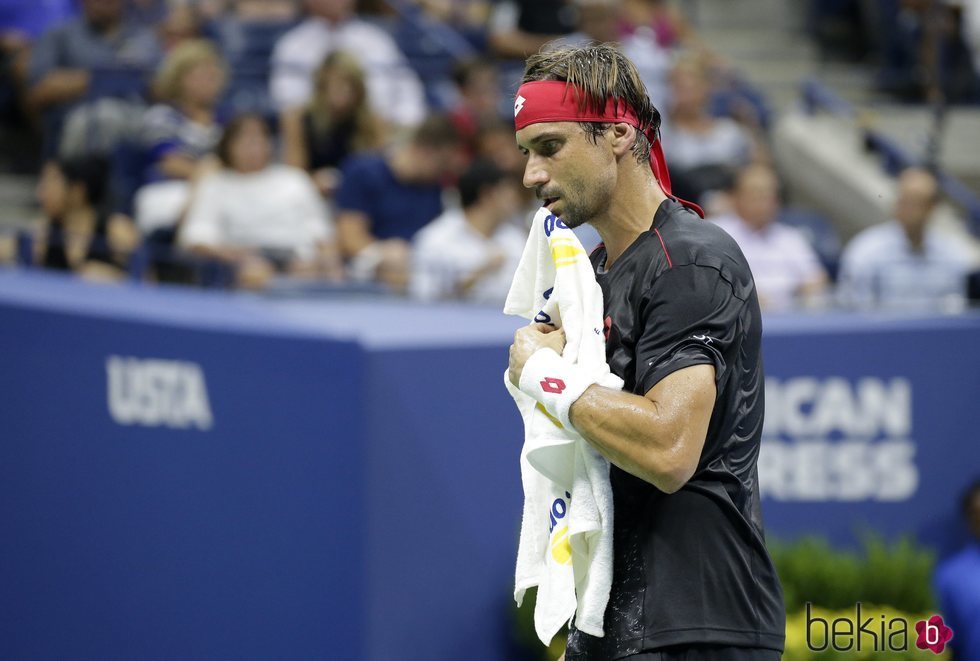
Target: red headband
{"x":557,"y":101}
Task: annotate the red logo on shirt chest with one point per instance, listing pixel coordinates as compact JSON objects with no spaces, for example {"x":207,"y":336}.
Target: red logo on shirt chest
{"x":607,"y":326}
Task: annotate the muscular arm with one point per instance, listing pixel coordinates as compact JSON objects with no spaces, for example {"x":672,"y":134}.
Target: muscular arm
{"x":657,"y":437}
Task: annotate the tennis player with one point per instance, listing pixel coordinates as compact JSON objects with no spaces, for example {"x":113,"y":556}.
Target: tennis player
{"x":692,"y":578}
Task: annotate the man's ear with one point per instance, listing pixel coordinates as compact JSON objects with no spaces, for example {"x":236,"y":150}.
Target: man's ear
{"x":622,"y":136}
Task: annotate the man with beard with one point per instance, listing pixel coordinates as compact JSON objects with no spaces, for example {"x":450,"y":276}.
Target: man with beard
{"x":691,"y":575}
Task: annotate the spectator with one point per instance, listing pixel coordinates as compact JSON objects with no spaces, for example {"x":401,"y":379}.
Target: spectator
{"x":270,"y":11}
{"x":785,"y":267}
{"x":260,"y":217}
{"x":335,"y":124}
{"x":904,"y":263}
{"x":384,"y":199}
{"x":665,"y":20}
{"x":471,"y":252}
{"x":596,"y":21}
{"x":60,"y":73}
{"x":703,"y":151}
{"x":479,"y":90}
{"x":76,"y":233}
{"x":181,"y":23}
{"x":394,"y":90}
{"x":179,"y":131}
{"x":958,"y":584}
{"x":604,"y":21}
{"x":650,"y":32}
{"x":521,"y":27}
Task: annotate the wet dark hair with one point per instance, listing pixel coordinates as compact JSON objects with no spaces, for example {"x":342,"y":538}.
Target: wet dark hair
{"x":233,"y":128}
{"x":479,"y":176}
{"x":600,"y":71}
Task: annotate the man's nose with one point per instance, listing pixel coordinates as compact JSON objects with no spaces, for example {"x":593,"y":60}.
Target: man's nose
{"x":534,"y":174}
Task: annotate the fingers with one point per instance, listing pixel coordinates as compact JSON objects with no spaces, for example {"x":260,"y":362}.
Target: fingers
{"x":543,"y":328}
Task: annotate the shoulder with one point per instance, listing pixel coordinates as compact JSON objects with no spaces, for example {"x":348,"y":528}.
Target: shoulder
{"x":790,"y":238}
{"x":689,"y":240}
{"x":298,"y":38}
{"x":948,"y":247}
{"x":364,"y":165}
{"x":874,"y":241}
{"x":510,"y":233}
{"x":727,"y":127}
{"x":286,"y":173}
{"x":439,"y":230}
{"x":162,"y":114}
{"x":362,"y":29}
{"x":949,"y":572}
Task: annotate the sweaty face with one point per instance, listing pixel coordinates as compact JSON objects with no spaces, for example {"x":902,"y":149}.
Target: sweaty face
{"x":571,"y":175}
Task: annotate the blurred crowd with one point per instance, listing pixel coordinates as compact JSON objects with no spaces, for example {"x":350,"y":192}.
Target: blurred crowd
{"x":243,"y":143}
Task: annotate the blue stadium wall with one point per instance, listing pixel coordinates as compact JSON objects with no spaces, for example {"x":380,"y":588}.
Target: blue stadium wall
{"x":193,"y":475}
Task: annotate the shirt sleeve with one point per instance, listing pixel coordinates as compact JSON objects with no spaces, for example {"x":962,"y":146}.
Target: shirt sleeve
{"x":690,"y":316}
{"x":160,"y":132}
{"x":202,"y":226}
{"x":431,"y":277}
{"x":855,"y":280}
{"x":314,"y":211}
{"x":354,"y":193}
{"x":807,"y":263}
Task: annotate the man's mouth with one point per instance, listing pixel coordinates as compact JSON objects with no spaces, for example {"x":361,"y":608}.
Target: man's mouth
{"x":548,"y":201}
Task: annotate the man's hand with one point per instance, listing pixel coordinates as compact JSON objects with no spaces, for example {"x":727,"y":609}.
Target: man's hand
{"x":529,"y":339}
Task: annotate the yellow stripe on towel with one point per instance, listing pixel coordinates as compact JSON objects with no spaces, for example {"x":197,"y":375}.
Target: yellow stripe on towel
{"x":564,"y":252}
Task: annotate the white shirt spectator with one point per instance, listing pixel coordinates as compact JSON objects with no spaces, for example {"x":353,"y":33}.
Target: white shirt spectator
{"x":653,"y":61}
{"x":448,"y":250}
{"x":726,"y":143}
{"x":394,"y":90}
{"x":780,"y":257}
{"x":880,"y":269}
{"x":277,"y":208}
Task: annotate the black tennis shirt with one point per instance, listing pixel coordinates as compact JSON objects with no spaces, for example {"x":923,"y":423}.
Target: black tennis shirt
{"x":689,"y":567}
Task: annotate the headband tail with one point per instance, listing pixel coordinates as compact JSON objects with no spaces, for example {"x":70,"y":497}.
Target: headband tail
{"x":658,"y":163}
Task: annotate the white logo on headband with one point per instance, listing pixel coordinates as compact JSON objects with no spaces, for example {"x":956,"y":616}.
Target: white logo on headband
{"x":518,"y":104}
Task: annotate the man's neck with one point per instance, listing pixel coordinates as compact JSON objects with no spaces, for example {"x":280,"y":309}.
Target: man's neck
{"x":482,"y":220}
{"x":917,"y":240}
{"x":400,"y":160}
{"x":631,"y":213}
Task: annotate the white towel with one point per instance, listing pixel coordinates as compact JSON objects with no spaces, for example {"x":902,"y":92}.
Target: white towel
{"x":566,"y":531}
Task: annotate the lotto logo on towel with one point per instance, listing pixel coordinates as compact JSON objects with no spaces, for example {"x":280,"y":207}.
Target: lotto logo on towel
{"x":561,"y":548}
{"x":157,"y":393}
{"x":553,"y":385}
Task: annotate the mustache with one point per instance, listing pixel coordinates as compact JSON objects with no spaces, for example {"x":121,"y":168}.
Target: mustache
{"x":542,"y":194}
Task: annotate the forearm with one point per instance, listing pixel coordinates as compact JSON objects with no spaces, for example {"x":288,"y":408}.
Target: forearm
{"x":634,"y":433}
{"x":178,"y":166}
{"x":57,"y":87}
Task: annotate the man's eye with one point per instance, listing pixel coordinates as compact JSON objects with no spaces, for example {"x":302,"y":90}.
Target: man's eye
{"x":550,"y":147}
